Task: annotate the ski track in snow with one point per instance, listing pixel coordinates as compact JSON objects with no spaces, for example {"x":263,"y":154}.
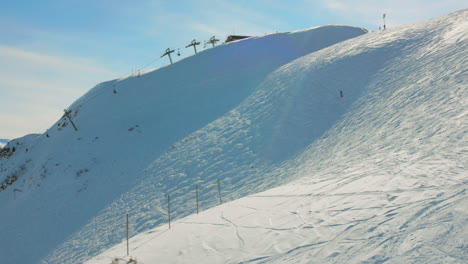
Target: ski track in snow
{"x":350,"y":226}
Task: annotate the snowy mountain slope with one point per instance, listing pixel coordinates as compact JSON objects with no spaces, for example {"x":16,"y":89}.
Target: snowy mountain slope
{"x":72,"y":184}
{"x":385,"y":184}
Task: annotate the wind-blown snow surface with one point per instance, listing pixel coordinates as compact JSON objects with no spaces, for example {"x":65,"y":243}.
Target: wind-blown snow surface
{"x":385,"y":184}
{"x":139,"y":138}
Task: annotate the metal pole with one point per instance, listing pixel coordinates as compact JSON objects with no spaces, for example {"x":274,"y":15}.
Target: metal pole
{"x":168,"y":53}
{"x":384,"y":15}
{"x":169,"y":209}
{"x":219,"y":192}
{"x":197,"y":197}
{"x":170,"y":59}
{"x":194,"y":43}
{"x":127,"y":237}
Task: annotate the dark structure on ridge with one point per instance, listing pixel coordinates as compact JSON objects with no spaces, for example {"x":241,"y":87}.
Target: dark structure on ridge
{"x":234,"y":38}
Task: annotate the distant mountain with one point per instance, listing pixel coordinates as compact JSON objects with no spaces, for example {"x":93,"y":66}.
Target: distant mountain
{"x":3,"y":142}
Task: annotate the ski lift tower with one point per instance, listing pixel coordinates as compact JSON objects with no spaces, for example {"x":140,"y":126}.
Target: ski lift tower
{"x":194,"y":43}
{"x":212,"y":40}
{"x":168,"y":53}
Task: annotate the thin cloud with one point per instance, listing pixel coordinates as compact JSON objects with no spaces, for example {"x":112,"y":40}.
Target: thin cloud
{"x":207,"y":29}
{"x":206,"y":18}
{"x":27,"y":76}
{"x":62,"y":63}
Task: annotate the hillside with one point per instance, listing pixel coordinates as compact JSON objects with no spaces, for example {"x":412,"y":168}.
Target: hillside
{"x":331,"y":145}
{"x":139,"y":138}
{"x":384,"y":182}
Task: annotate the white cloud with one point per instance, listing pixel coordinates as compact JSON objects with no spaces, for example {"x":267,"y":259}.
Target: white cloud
{"x":207,"y":29}
{"x":207,"y":18}
{"x":335,"y":4}
{"x":62,"y":63}
{"x":35,"y":87}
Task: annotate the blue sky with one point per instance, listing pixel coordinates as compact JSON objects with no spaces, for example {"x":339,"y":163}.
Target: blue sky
{"x":52,"y":52}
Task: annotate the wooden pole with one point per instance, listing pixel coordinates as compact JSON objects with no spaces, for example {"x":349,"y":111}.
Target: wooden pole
{"x":127,"y":237}
{"x":197,"y":197}
{"x":169,"y":209}
{"x":219,"y":192}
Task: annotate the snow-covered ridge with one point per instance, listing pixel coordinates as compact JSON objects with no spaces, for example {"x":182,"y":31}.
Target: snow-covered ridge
{"x":74,"y":187}
{"x":385,"y":183}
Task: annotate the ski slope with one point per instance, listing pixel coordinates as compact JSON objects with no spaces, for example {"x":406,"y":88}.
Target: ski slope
{"x":141,"y":137}
{"x":385,"y":183}
{"x":376,"y":176}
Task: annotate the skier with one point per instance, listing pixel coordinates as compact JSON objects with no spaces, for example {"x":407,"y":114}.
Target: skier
{"x":341,"y":94}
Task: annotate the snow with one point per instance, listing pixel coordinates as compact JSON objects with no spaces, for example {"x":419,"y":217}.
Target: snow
{"x":317,"y":225}
{"x":387,"y":182}
{"x":75,"y":183}
{"x":306,"y":176}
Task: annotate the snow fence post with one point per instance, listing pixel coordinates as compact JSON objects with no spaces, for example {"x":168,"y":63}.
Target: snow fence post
{"x":196,"y":189}
{"x":383,"y":16}
{"x":219,"y":192}
{"x":169,"y":209}
{"x":127,"y":237}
